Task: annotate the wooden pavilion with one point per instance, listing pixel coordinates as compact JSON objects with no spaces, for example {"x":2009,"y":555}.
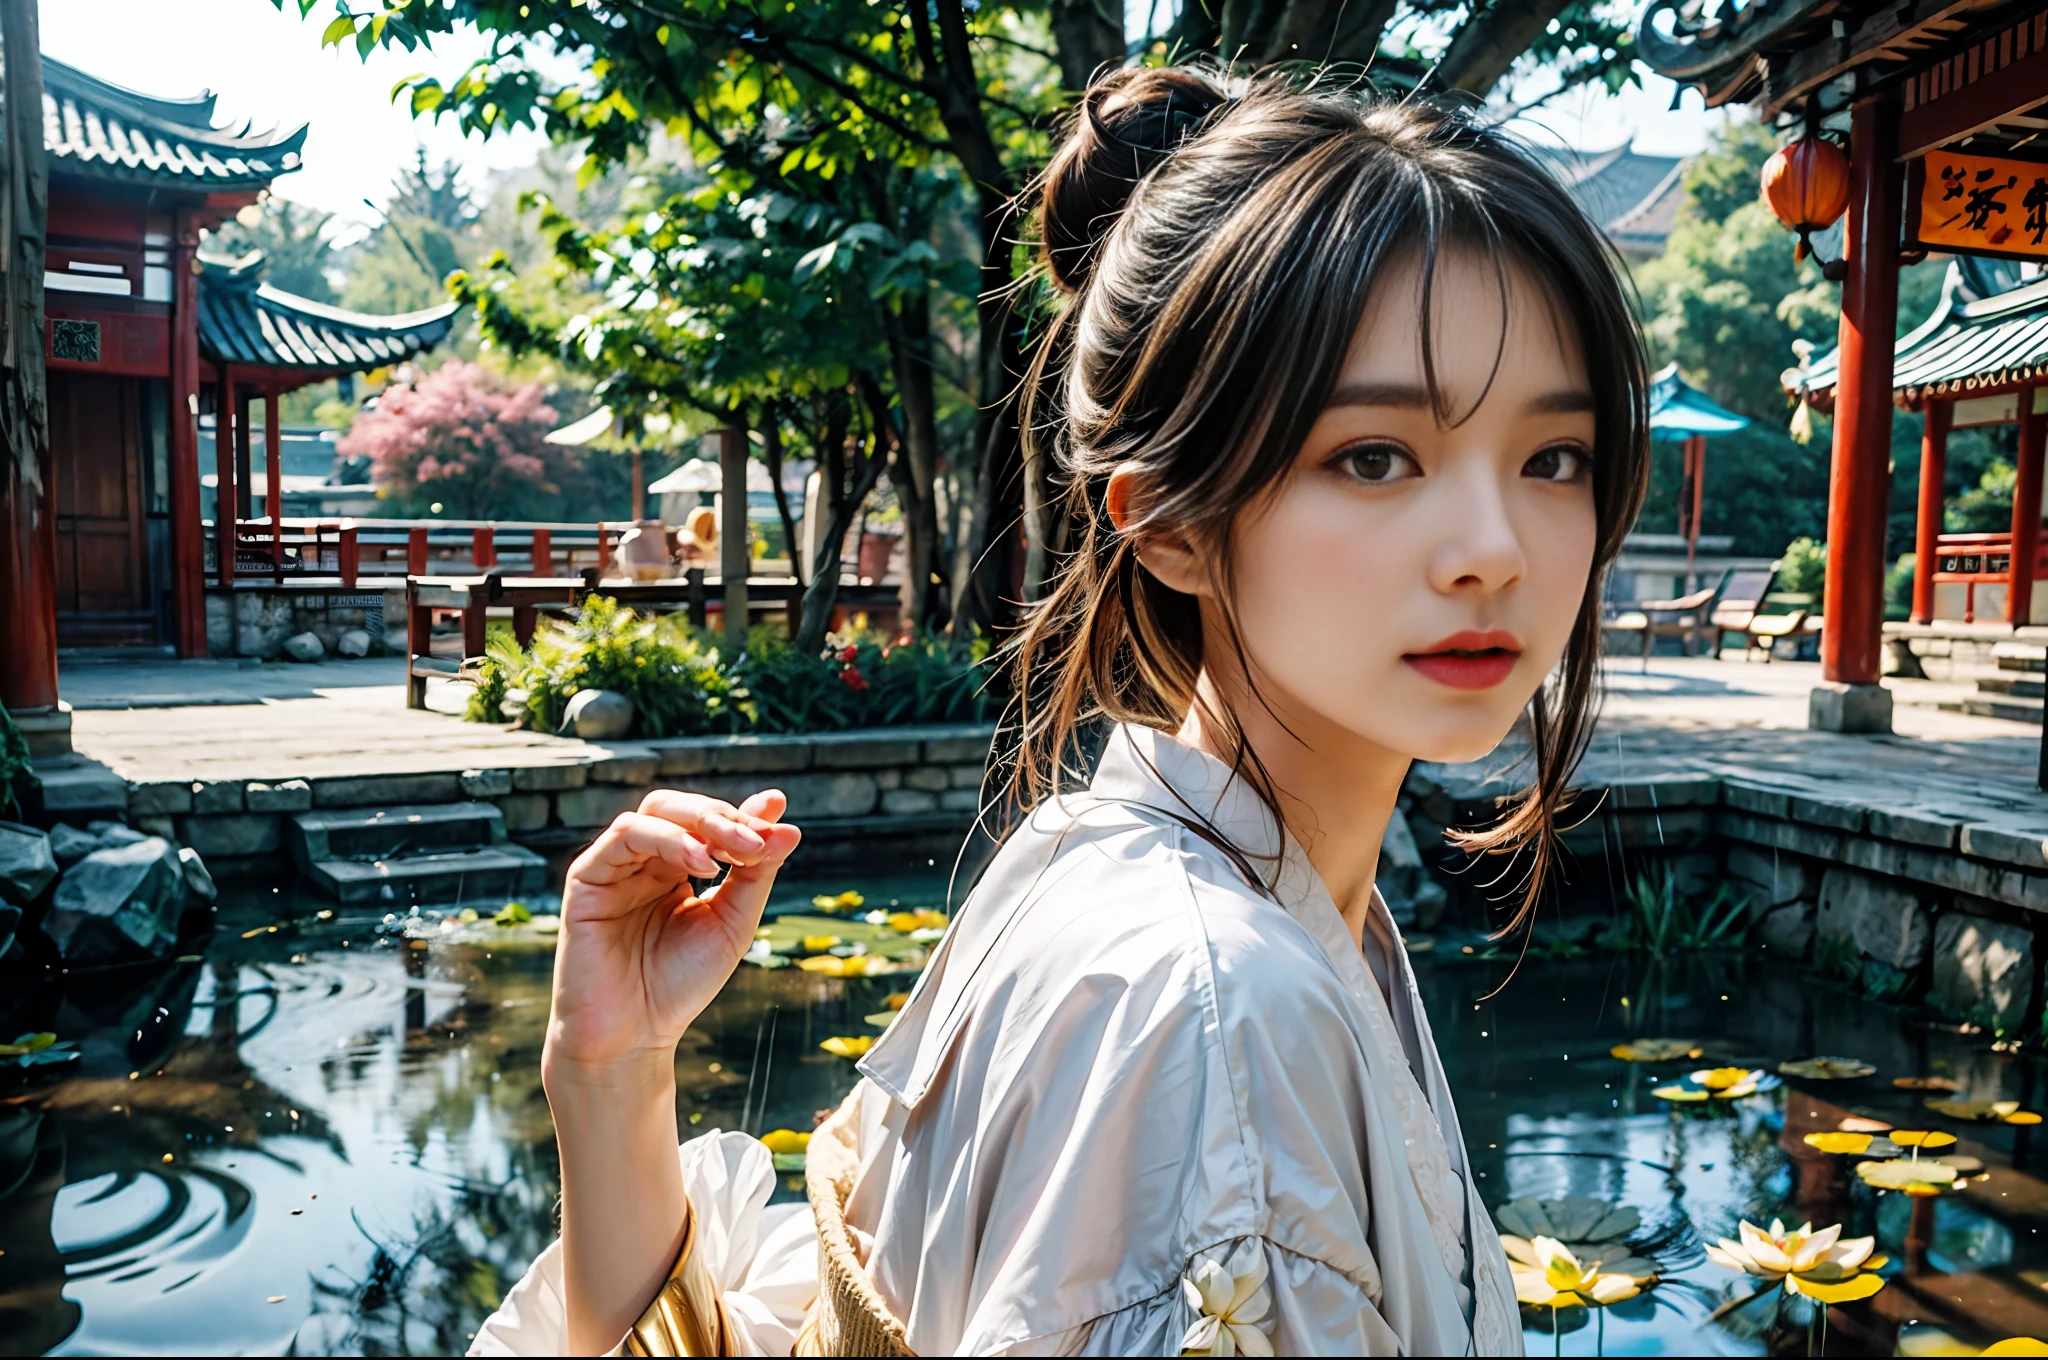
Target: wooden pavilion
{"x":1980,"y":352}
{"x":144,"y":334}
{"x":1941,"y":103}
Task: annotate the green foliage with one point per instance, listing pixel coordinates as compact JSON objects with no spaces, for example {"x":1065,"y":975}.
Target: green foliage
{"x":1898,"y":587}
{"x":1661,"y":920}
{"x":1985,"y":508}
{"x":682,"y":684}
{"x":1803,"y":570}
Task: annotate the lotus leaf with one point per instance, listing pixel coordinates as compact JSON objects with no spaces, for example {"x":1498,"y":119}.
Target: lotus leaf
{"x":1827,"y":1068}
{"x":512,"y":914}
{"x":1925,"y":1083}
{"x":799,"y":934}
{"x":880,"y":1019}
{"x":1912,"y":1175}
{"x":29,"y":1043}
{"x":1656,"y":1050}
{"x":789,"y":1161}
{"x":1985,"y":1111}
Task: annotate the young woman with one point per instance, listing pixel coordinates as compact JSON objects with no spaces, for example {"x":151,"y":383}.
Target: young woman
{"x":1349,"y":408}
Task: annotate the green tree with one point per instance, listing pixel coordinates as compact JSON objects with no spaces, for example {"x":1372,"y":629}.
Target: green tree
{"x":298,"y":255}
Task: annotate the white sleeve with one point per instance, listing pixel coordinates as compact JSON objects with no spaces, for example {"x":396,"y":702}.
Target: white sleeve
{"x":765,"y":1261}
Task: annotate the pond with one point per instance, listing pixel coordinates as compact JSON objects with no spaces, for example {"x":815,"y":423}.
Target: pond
{"x":326,"y":1134}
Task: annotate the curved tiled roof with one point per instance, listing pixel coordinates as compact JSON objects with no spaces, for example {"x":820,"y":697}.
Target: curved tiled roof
{"x":243,"y":320}
{"x":94,"y":128}
{"x":1968,"y":346}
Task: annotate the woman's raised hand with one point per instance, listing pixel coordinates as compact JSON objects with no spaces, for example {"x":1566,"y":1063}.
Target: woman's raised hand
{"x":641,"y":954}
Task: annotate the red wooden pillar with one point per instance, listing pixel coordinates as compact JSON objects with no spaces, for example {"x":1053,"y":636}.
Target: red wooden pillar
{"x":224,"y":496}
{"x":543,"y":553}
{"x":1850,"y":698}
{"x":28,"y":579}
{"x":2026,"y":512}
{"x":1927,"y":521}
{"x":188,"y":534}
{"x":273,"y":451}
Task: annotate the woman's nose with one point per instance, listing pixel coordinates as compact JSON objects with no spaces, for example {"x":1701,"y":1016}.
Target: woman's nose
{"x":1479,"y":548}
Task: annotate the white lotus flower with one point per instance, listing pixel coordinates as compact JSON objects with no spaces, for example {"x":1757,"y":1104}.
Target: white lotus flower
{"x":1230,"y":1300}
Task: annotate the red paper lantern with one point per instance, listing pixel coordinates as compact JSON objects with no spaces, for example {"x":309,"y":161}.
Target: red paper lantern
{"x":1807,"y":186}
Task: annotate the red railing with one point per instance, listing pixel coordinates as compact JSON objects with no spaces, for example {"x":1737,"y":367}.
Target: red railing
{"x":1971,"y":560}
{"x":352,"y":552}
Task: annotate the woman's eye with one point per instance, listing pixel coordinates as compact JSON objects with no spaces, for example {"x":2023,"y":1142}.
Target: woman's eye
{"x":1559,"y":463}
{"x":1378,"y":463}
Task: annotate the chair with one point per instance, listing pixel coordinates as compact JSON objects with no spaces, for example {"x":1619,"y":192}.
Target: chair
{"x":1742,"y":594}
{"x":1652,"y":619}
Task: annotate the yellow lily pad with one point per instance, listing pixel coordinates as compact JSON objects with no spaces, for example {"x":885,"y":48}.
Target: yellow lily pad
{"x":1859,"y":1286}
{"x":1656,"y":1050}
{"x":845,"y":901}
{"x":2016,"y":1345}
{"x":895,"y":1000}
{"x":785,"y":1140}
{"x":848,"y":1045}
{"x":1922,"y":1138}
{"x":818,"y":944}
{"x":1840,"y":1143}
{"x":1925,"y":1083}
{"x":880,"y":1019}
{"x":1682,"y":1093}
{"x":859,"y":965}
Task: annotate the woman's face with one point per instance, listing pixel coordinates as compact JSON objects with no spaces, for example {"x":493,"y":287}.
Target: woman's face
{"x":1413,"y":579}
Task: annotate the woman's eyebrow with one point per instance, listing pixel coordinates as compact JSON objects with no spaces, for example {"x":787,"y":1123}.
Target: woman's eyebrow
{"x":1566,"y":401}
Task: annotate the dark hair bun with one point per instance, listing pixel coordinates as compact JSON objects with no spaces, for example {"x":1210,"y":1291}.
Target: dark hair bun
{"x":1128,"y":122}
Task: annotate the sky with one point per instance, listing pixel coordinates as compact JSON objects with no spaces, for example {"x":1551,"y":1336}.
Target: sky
{"x":268,"y":67}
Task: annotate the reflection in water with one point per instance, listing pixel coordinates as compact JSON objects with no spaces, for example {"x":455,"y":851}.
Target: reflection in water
{"x":334,"y":1139}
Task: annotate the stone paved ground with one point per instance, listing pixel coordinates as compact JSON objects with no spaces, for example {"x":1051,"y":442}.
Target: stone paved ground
{"x":1683,"y":717}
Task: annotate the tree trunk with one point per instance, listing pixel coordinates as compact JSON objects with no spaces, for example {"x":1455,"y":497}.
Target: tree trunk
{"x":28,"y":588}
{"x":1089,"y":38}
{"x":842,"y":501}
{"x":771,"y":459}
{"x":732,"y":531}
{"x":914,"y":470}
{"x":1487,"y":44}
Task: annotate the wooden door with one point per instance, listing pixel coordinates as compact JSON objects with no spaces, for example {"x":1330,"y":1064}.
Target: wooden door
{"x":103,"y":596}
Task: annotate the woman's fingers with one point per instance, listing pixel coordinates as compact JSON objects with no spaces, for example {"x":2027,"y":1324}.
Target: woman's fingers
{"x":729,"y":833}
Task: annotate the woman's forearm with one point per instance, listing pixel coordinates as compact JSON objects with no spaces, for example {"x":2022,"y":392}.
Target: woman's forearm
{"x":623,"y":1208}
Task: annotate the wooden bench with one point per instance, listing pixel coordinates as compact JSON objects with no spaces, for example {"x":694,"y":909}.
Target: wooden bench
{"x":1742,"y":595}
{"x":1652,"y":619}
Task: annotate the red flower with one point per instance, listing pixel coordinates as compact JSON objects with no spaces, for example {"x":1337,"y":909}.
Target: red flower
{"x":853,"y":679}
{"x":848,"y":653}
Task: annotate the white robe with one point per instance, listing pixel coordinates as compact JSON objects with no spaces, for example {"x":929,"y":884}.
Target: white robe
{"x":1123,"y":1062}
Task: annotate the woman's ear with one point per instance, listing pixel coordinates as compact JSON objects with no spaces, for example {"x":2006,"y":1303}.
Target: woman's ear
{"x":1171,"y":560}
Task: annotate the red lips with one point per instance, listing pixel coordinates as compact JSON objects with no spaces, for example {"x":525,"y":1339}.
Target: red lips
{"x":1469,"y":660}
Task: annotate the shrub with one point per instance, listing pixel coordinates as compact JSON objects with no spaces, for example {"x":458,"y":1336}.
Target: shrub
{"x":682,"y":684}
{"x":1803,"y":569}
{"x":456,"y":438}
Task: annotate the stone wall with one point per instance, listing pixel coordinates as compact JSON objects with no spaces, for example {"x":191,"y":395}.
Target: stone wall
{"x":1902,"y":902}
{"x":255,"y":622}
{"x":899,"y":793}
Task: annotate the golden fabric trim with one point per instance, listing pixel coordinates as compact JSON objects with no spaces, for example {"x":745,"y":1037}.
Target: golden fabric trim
{"x":849,"y":1316}
{"x":687,"y":1318}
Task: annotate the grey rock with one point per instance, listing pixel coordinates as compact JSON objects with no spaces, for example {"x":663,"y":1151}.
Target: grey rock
{"x":198,"y":882}
{"x":224,"y":795}
{"x":289,"y":795}
{"x":598,"y":715}
{"x":485,"y":783}
{"x":305,"y":647}
{"x":70,"y":845}
{"x":1983,"y":971}
{"x":1886,"y":924}
{"x":1777,"y":878}
{"x":525,"y":812}
{"x":119,"y":904}
{"x":550,"y":778}
{"x":1787,"y":930}
{"x":909,"y":800}
{"x":159,"y":799}
{"x":352,"y":642}
{"x":111,"y":834}
{"x":234,"y":834}
{"x":27,"y":864}
{"x":596,"y":804}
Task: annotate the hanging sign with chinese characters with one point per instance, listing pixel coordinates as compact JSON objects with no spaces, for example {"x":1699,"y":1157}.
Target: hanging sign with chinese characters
{"x":1980,"y":205}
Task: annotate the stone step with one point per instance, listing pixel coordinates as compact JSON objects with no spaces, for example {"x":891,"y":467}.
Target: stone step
{"x":457,"y":875}
{"x":2009,"y":707}
{"x":2015,"y":655}
{"x":2021,"y":684}
{"x":392,"y":833}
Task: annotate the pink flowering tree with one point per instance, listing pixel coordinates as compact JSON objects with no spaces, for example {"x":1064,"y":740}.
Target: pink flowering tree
{"x":459,"y":439}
